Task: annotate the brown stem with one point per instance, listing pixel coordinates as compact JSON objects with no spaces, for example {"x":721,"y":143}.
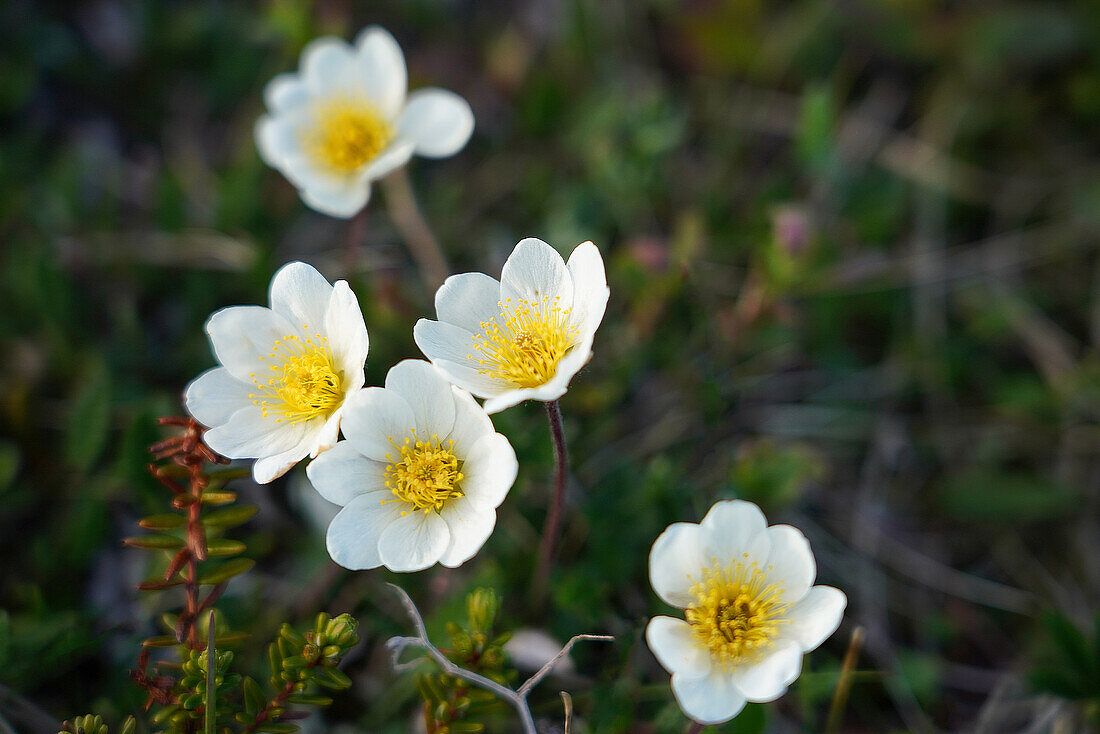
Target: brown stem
{"x":844,"y":683}
{"x":352,"y":239}
{"x":695,"y":728}
{"x":553,"y":518}
{"x":414,"y":229}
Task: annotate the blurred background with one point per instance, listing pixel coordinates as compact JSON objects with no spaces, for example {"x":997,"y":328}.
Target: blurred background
{"x":852,"y":251}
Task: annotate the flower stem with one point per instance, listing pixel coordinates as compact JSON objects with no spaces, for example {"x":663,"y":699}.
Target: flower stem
{"x":553,"y":518}
{"x":353,"y":237}
{"x":844,"y":683}
{"x":695,"y":728}
{"x":414,"y":229}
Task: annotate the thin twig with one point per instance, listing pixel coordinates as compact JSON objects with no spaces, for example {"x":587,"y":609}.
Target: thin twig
{"x":844,"y":683}
{"x":541,"y":581}
{"x":414,"y":229}
{"x":517,"y":698}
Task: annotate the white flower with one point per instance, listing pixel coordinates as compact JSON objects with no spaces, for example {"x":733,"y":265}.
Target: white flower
{"x":751,"y":609}
{"x":524,"y":337}
{"x":419,"y":477}
{"x":285,"y":373}
{"x":343,"y":120}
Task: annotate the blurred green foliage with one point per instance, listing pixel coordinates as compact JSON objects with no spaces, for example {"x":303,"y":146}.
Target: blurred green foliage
{"x":852,"y":253}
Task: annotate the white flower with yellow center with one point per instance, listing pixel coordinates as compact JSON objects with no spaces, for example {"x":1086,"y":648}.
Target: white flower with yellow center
{"x":344,"y":120}
{"x":750,"y":605}
{"x":525,"y":336}
{"x":419,"y":476}
{"x":285,"y":372}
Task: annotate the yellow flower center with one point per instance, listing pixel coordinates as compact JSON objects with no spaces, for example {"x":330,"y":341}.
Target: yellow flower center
{"x":424,"y":474}
{"x":525,"y":343}
{"x":736,"y":613}
{"x":346,"y":134}
{"x":303,"y":383}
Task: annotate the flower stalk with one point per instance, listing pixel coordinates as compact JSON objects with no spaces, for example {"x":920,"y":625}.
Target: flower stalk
{"x":541,"y":581}
{"x":415,"y":230}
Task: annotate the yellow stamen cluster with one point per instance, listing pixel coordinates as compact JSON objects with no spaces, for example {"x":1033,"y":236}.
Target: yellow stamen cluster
{"x":525,"y":343}
{"x":737,"y":613}
{"x":303,"y":383}
{"x":346,"y":134}
{"x":425,"y":474}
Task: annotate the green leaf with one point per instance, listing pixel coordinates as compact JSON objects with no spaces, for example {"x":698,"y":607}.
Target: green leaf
{"x":89,"y":419}
{"x":254,"y":698}
{"x":156,"y":584}
{"x":155,"y":542}
{"x":330,"y":678}
{"x":160,"y":641}
{"x":167,"y":521}
{"x":226,"y":571}
{"x":304,"y":699}
{"x":229,"y":517}
{"x":220,"y":547}
{"x":1071,"y":643}
{"x":277,"y":728}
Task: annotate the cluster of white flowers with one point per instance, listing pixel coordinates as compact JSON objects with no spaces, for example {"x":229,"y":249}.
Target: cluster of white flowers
{"x":421,"y":470}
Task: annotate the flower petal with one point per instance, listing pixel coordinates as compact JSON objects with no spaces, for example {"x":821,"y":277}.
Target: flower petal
{"x":768,"y":679}
{"x":489,"y":471}
{"x":816,"y":616}
{"x":505,"y":399}
{"x":414,"y":541}
{"x":381,"y":70}
{"x":342,"y":473}
{"x":347,"y":335}
{"x":215,"y":395}
{"x":285,"y":92}
{"x":325,"y":64}
{"x":353,"y":535}
{"x":241,"y":335}
{"x":708,"y":699}
{"x":467,"y":300}
{"x":590,"y":291}
{"x":270,"y":468}
{"x":248,"y":435}
{"x":373,"y":417}
{"x":470,"y":526}
{"x":438,"y":121}
{"x":340,"y":202}
{"x":790,"y":561}
{"x":393,"y":157}
{"x":269,"y":141}
{"x":735,"y":530}
{"x":429,"y":395}
{"x":468,"y":378}
{"x":673,"y":643}
{"x":301,"y":295}
{"x":676,"y":562}
{"x":535,"y":270}
{"x":471,"y":423}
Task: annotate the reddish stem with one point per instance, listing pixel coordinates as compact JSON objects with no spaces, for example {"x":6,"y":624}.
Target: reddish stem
{"x":553,"y":518}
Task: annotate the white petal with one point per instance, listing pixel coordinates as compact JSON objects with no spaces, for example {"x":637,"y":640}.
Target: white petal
{"x":270,"y":468}
{"x":429,"y":395}
{"x":438,"y":121}
{"x":533,"y":271}
{"x":467,"y":377}
{"x":470,"y":526}
{"x":373,"y":417}
{"x":347,"y":334}
{"x":326,"y":63}
{"x":327,"y":436}
{"x":467,"y":300}
{"x":676,"y":562}
{"x":673,"y":643}
{"x":215,"y":395}
{"x":393,"y":157}
{"x":735,"y":530}
{"x":354,"y":533}
{"x":489,"y":471}
{"x":241,"y":335}
{"x":269,"y":141}
{"x":708,"y":699}
{"x":414,"y":542}
{"x":342,"y":203}
{"x":381,"y":70}
{"x":248,"y":435}
{"x":440,"y":340}
{"x":341,"y":474}
{"x":509,"y":397}
{"x":300,"y":294}
{"x":284,"y":92}
{"x":816,"y":616}
{"x":791,"y":562}
{"x":768,"y":679}
{"x":471,"y":423}
{"x":590,"y":291}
